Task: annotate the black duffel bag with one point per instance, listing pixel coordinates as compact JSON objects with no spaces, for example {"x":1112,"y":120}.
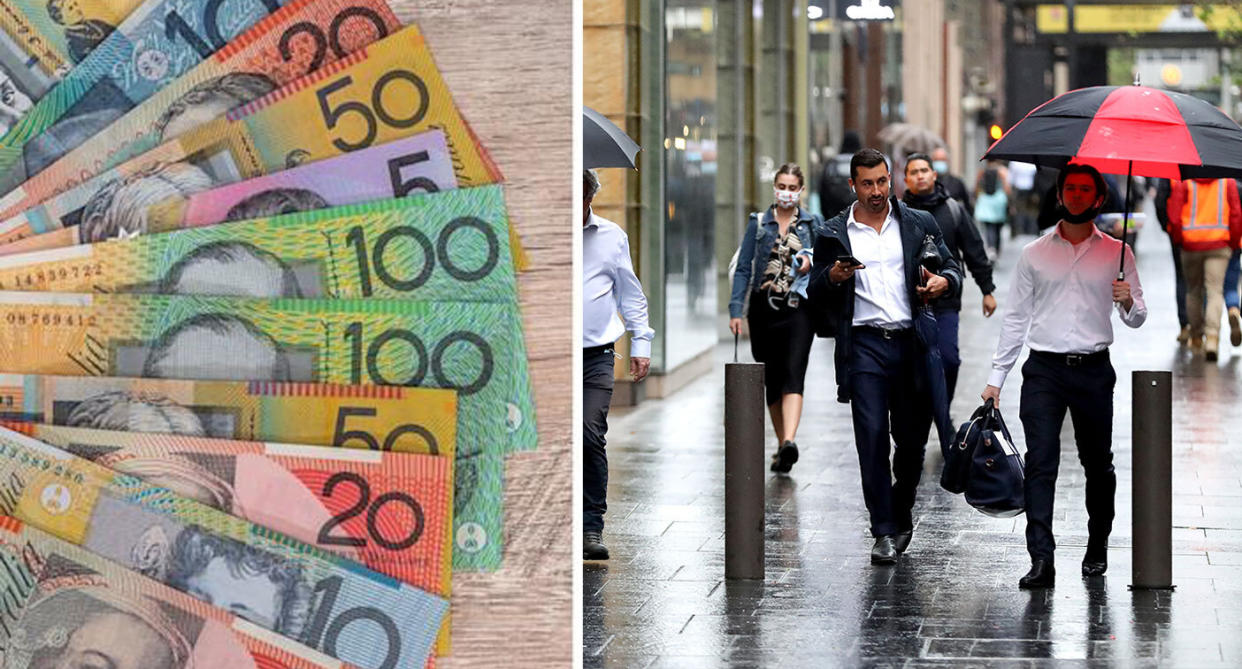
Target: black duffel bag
{"x":983,"y":462}
{"x":957,"y":458}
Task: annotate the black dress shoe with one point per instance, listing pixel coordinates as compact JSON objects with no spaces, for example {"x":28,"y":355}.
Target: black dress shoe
{"x":1041,"y":575}
{"x":593,"y":547}
{"x":902,"y":540}
{"x":884,"y":551}
{"x":785,"y":458}
{"x":1094,"y":564}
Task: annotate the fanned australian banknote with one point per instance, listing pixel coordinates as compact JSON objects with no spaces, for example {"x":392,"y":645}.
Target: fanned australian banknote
{"x":389,"y":511}
{"x":65,"y":606}
{"x":296,"y":40}
{"x":378,"y":418}
{"x":157,"y":42}
{"x":314,"y":597}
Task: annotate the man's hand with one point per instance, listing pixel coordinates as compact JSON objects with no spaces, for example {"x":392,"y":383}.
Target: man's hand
{"x":991,"y":393}
{"x":804,"y":264}
{"x":1121,"y":294}
{"x":639,"y":368}
{"x":989,"y":306}
{"x":735,"y":326}
{"x":841,"y":272}
{"x":934,"y":285}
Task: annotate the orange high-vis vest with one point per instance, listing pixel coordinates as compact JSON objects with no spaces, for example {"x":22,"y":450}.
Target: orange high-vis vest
{"x":1205,"y":218}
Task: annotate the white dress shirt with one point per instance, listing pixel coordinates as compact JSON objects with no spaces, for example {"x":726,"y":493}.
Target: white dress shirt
{"x":609,"y":286}
{"x":1061,"y":299}
{"x":880,"y":296}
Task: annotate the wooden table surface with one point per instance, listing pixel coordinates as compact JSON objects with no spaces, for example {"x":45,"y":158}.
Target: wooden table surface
{"x":508,"y":67}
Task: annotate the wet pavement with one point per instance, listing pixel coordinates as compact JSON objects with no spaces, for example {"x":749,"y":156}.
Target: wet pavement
{"x":662,"y":600}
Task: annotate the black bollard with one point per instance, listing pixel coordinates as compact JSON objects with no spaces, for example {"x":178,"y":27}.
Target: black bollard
{"x":1152,"y":491}
{"x":744,"y":471}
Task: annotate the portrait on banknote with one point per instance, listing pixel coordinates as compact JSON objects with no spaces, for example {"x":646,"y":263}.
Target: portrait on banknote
{"x":130,"y":412}
{"x":74,"y":623}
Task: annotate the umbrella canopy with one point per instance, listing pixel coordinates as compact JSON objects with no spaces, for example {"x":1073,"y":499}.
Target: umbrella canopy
{"x":909,"y":138}
{"x":1127,"y":129}
{"x":604,"y":144}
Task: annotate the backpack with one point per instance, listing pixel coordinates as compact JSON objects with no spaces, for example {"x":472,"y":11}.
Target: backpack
{"x":991,"y":179}
{"x":835,"y":193}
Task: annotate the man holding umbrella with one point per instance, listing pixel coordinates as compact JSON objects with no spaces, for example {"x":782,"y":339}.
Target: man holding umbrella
{"x":1064,"y":290}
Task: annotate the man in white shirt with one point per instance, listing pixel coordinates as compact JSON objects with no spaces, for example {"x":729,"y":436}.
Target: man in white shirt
{"x":1064,"y":289}
{"x":886,"y":337}
{"x":608,"y":286}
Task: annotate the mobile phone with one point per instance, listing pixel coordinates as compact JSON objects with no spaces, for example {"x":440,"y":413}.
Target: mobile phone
{"x":849,"y":260}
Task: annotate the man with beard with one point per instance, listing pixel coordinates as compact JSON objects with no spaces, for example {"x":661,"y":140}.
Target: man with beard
{"x":870,"y":288}
{"x":924,"y":191}
{"x":1064,"y":289}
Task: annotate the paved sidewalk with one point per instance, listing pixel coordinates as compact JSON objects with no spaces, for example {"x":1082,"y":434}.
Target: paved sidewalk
{"x":662,"y":601}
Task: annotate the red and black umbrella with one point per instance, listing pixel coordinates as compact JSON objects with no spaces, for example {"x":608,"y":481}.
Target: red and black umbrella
{"x":1130,"y":129}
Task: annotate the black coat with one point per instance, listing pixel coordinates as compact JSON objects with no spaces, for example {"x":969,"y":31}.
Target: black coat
{"x":833,"y":305}
{"x":956,"y":189}
{"x":961,"y":236}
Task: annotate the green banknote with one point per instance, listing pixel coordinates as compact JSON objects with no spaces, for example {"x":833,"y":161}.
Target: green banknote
{"x":452,"y":245}
{"x":474,"y":348}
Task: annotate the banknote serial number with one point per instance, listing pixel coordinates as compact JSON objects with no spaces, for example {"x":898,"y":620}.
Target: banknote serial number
{"x":43,"y":277}
{"x":50,"y":319}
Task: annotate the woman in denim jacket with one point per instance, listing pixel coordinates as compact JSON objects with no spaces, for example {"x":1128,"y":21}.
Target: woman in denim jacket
{"x":781,"y":330}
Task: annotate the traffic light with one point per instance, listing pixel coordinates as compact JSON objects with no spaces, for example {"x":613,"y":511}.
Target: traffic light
{"x":995,"y":132}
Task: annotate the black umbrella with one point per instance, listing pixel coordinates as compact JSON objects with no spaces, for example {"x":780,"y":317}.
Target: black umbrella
{"x":1135,"y":129}
{"x":604,"y":144}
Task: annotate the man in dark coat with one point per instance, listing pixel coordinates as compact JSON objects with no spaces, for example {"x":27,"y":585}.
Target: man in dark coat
{"x":925,"y":192}
{"x":871,"y":288}
{"x":952,"y":185}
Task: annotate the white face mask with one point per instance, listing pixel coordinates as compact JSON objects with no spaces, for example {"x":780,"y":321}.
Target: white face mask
{"x":786,"y":198}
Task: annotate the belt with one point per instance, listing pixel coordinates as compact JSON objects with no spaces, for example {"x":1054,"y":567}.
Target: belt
{"x":1072,"y":359}
{"x":886,"y":333}
{"x":596,"y":350}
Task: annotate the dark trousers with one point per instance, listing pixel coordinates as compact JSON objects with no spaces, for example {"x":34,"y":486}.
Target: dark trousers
{"x":946,"y":330}
{"x":884,"y":400}
{"x":1049,"y":388}
{"x":597,"y":379}
{"x":992,"y":234}
{"x":1179,"y":283}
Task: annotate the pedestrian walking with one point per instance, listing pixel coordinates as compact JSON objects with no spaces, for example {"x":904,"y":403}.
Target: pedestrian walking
{"x":872,"y":288}
{"x":1160,"y":199}
{"x":1205,"y":222}
{"x":926,"y":193}
{"x":834,"y":178}
{"x":992,"y":203}
{"x":781,"y":331}
{"x":1064,"y":289}
{"x":609,"y":286}
{"x":952,"y":184}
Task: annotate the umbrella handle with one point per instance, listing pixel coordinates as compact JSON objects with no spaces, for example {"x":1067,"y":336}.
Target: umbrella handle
{"x":1125,"y":222}
{"x":735,"y":336}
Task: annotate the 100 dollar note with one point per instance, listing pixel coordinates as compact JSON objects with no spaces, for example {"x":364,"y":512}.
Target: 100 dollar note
{"x":276,"y":582}
{"x":290,"y":43}
{"x":378,"y":418}
{"x":155,"y":44}
{"x":474,"y":348}
{"x":385,"y":91}
{"x":64,"y":606}
{"x":389,"y":511}
{"x":444,"y":246}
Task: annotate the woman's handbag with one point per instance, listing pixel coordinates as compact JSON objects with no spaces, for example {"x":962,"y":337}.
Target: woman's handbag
{"x":983,"y":462}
